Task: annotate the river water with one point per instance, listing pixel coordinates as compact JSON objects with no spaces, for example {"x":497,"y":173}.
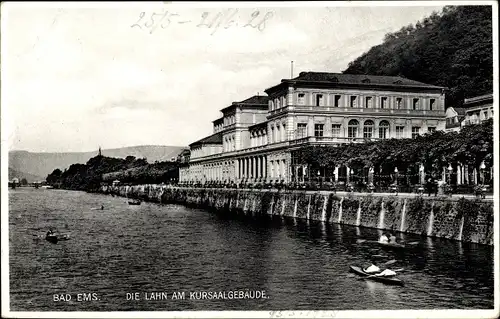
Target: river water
{"x":169,"y":248}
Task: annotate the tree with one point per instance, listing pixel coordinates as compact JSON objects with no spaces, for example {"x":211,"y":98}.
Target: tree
{"x":24,"y":181}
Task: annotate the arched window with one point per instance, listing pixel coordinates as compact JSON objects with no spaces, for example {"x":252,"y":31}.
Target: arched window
{"x":383,"y":129}
{"x":368,"y":129}
{"x":352,"y":129}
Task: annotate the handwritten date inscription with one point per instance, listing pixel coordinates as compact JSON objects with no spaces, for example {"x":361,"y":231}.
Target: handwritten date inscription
{"x":223,"y":19}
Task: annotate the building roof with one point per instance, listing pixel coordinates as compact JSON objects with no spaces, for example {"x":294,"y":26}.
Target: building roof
{"x":460,"y":110}
{"x":333,"y":79}
{"x":219,"y":120}
{"x":212,"y":139}
{"x":479,"y":99}
{"x":258,"y":125}
{"x":260,"y":101}
{"x":256,"y":99}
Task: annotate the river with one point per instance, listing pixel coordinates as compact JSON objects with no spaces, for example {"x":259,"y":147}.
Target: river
{"x":170,"y":248}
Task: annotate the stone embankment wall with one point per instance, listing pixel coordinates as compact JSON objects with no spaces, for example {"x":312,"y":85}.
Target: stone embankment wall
{"x":468,"y":220}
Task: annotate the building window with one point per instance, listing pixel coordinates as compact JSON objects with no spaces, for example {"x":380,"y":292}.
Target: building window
{"x":415,"y":131}
{"x":368,"y":129}
{"x":278,"y":103}
{"x":383,"y":102}
{"x":399,"y":103}
{"x":352,"y":129}
{"x":272,"y":168}
{"x":353,"y":101}
{"x":271,"y":137}
{"x":485,"y":115}
{"x":431,"y":129}
{"x":319,"y":100}
{"x":383,"y":130}
{"x":318,"y":130}
{"x":271,"y":105}
{"x":336,"y":101}
{"x":278,"y":135}
{"x":368,"y":102}
{"x":302,"y":99}
{"x":432,"y":102}
{"x":301,"y":130}
{"x":283,"y":101}
{"x":336,"y":130}
{"x":415,"y":104}
{"x":400,"y":131}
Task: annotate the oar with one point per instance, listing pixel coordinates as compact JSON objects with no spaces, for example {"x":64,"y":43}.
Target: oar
{"x":413,"y":243}
{"x":390,"y":262}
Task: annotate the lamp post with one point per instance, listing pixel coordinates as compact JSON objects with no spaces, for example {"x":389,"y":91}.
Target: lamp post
{"x":396,"y":175}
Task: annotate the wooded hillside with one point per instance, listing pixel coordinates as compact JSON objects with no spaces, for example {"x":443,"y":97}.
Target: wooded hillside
{"x":452,"y":48}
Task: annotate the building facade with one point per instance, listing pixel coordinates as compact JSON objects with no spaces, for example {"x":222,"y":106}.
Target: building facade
{"x":478,"y":109}
{"x":254,"y":139}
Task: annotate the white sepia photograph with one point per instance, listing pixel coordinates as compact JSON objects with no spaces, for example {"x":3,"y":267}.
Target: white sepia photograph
{"x":250,"y":159}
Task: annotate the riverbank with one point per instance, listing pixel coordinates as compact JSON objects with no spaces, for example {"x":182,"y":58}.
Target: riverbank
{"x":467,"y":220}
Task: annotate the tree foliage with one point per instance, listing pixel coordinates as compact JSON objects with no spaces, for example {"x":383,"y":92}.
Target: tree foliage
{"x":100,"y":168}
{"x":452,"y":48}
{"x":471,"y":146}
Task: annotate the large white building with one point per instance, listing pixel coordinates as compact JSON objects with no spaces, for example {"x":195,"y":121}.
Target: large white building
{"x":254,"y":138}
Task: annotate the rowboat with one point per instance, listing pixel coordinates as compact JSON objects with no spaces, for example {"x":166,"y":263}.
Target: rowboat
{"x":391,"y":245}
{"x":55,"y":238}
{"x":384,"y":279}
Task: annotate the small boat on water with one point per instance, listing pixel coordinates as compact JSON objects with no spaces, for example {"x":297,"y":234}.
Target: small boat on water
{"x":410,"y":245}
{"x":54,"y":238}
{"x":134,"y":202}
{"x":384,"y":279}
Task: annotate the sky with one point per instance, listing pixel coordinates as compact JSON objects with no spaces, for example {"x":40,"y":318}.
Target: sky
{"x":76,"y":78}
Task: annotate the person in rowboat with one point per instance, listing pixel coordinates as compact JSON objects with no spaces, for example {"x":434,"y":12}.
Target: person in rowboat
{"x":392,"y":239}
{"x":372,"y":269}
{"x":383,"y":239}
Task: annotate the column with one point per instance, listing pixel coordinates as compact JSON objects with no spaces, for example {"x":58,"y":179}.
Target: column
{"x":459,"y":174}
{"x":348,"y":175}
{"x":336,"y":172}
{"x":251,"y":168}
{"x":262,"y":163}
{"x":265,"y":168}
{"x":238,"y":168}
{"x":257,"y":167}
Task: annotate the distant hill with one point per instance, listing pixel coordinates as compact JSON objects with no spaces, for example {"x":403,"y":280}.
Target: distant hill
{"x":453,"y":48}
{"x":20,"y":175}
{"x":42,"y":164}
